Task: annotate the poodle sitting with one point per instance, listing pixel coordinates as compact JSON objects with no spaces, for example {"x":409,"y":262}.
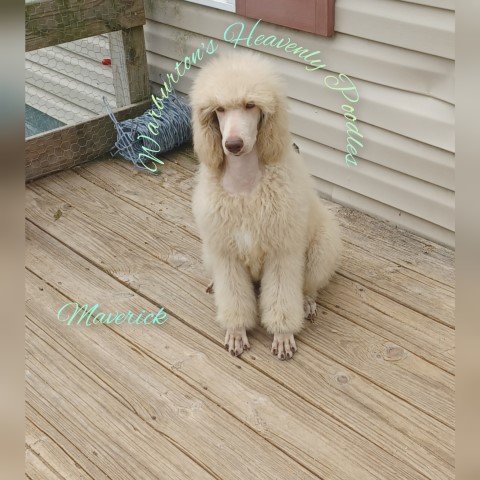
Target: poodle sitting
{"x":258,"y":214}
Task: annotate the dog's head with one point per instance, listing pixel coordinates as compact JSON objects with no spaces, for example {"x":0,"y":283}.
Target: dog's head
{"x":238,"y":102}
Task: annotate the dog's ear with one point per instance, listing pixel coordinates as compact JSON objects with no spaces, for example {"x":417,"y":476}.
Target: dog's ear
{"x":207,"y":140}
{"x":273,"y":135}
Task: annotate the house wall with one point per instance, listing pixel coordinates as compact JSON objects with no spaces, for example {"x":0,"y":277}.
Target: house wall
{"x":399,"y":54}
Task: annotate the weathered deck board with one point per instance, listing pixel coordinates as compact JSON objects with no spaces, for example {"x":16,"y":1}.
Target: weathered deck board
{"x":169,"y":244}
{"x":401,"y":379}
{"x":406,"y":249}
{"x":43,"y":449}
{"x":322,"y":378}
{"x":413,"y":331}
{"x":147,"y":196}
{"x":372,"y":377}
{"x":154,"y":396}
{"x":259,"y":403}
{"x":404,"y":326}
{"x":420,"y":293}
{"x":53,"y":445}
{"x":101,"y":423}
{"x":37,"y":469}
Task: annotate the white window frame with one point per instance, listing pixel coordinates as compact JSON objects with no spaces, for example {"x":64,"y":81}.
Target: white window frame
{"x":227,"y":5}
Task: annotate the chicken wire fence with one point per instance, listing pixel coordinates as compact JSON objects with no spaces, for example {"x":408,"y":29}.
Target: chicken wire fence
{"x":66,"y":83}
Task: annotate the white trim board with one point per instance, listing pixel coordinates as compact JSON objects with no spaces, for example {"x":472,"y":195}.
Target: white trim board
{"x":228,"y":5}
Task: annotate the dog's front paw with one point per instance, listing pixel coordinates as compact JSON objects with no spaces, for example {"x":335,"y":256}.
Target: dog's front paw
{"x":236,"y":341}
{"x":283,"y":345}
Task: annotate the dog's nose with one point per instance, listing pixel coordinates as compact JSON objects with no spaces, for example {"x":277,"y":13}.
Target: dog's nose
{"x":234,"y":145}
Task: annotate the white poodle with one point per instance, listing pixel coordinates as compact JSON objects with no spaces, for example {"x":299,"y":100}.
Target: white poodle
{"x":259,"y":217}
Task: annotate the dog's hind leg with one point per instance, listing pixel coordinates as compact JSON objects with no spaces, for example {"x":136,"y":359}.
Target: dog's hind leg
{"x":321,"y":259}
{"x":208,"y":266}
{"x":309,"y":307}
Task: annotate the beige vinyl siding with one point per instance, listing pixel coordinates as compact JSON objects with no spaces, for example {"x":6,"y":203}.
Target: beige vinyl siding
{"x":446,"y":4}
{"x":325,"y":125}
{"x":68,"y":81}
{"x":399,"y":55}
{"x":430,"y":30}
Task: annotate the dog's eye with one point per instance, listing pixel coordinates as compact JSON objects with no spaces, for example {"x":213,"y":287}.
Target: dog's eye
{"x":250,"y":105}
{"x":220,"y":109}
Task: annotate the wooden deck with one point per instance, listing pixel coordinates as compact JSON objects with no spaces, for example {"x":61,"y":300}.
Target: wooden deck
{"x":369,"y":395}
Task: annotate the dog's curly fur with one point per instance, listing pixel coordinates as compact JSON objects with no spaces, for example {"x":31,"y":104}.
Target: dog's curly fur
{"x":280,"y":234}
